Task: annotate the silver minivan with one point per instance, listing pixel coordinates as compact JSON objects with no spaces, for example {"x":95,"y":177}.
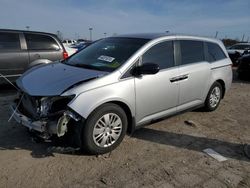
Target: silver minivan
{"x":120,"y":83}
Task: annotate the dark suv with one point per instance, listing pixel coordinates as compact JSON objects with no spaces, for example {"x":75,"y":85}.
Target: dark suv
{"x":20,"y":50}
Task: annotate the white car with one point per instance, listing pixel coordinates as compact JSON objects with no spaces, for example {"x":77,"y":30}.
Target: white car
{"x":68,"y":42}
{"x":70,"y":50}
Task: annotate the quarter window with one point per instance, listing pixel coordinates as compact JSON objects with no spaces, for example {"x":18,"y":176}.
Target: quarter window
{"x":41,"y":42}
{"x":9,"y":41}
{"x":161,"y":54}
{"x":215,"y":53}
{"x":191,"y":51}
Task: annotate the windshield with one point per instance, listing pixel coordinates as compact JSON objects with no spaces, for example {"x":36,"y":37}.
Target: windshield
{"x":240,"y":46}
{"x":107,"y":54}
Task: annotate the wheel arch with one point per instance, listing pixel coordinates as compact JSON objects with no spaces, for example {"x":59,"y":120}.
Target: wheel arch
{"x":222,"y":83}
{"x":130,"y":118}
{"x":127,"y":110}
{"x":90,"y":107}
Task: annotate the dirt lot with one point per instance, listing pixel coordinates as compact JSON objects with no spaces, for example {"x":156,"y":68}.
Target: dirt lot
{"x":164,"y":154}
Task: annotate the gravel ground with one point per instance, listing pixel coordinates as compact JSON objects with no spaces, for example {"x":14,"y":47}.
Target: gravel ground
{"x":168,"y":153}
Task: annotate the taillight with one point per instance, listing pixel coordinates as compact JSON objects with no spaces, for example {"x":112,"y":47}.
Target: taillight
{"x":65,"y":55}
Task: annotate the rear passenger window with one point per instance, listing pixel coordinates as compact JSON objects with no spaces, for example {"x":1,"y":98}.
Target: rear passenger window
{"x":161,"y":54}
{"x":41,"y":42}
{"x":191,"y":51}
{"x":215,"y":53}
{"x":9,"y":41}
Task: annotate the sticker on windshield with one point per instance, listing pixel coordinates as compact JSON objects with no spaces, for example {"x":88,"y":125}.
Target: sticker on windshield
{"x":106,"y":58}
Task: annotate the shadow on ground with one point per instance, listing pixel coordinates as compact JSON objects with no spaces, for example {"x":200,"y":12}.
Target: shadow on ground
{"x":195,"y":143}
{"x":19,"y":138}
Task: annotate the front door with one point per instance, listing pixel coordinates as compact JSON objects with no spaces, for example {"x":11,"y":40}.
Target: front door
{"x":157,"y":95}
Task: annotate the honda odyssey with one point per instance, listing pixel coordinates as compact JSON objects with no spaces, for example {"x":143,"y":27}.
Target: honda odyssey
{"x":120,"y":83}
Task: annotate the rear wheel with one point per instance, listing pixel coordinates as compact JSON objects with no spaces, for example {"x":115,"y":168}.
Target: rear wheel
{"x":214,"y":97}
{"x":104,"y":129}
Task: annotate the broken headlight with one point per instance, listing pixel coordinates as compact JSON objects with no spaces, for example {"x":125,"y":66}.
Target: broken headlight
{"x":53,"y":105}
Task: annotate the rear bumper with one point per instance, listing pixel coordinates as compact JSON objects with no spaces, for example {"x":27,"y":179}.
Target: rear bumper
{"x":40,"y":126}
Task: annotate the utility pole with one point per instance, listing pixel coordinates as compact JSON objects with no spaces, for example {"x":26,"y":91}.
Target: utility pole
{"x":59,"y":34}
{"x":243,"y":38}
{"x":90,"y":33}
{"x":216,"y":34}
{"x":105,"y":34}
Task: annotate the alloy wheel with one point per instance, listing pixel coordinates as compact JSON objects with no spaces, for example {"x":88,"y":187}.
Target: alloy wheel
{"x":107,"y":130}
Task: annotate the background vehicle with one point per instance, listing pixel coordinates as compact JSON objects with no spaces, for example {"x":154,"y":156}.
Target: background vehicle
{"x":244,"y":67}
{"x":80,"y":46}
{"x":72,"y":46}
{"x":70,"y":50}
{"x":119,"y":83}
{"x":82,"y":41}
{"x":237,"y":50}
{"x":20,"y":50}
{"x":69,"y":42}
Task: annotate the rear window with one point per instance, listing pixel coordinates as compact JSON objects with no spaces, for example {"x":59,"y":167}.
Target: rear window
{"x":191,"y":51}
{"x":9,"y":41}
{"x":41,"y":42}
{"x":214,"y":51}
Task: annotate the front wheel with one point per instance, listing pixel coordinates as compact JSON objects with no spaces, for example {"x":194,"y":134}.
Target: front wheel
{"x":104,"y":129}
{"x":214,"y":97}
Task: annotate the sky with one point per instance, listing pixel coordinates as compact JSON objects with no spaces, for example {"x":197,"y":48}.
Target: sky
{"x":231,"y":18}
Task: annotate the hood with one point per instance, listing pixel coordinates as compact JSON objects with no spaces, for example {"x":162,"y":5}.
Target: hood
{"x":53,"y":79}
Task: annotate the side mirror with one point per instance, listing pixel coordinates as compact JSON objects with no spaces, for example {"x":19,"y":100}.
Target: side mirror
{"x":146,"y":68}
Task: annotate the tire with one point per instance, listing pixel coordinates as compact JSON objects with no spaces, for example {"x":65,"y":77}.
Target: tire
{"x":213,"y":98}
{"x":113,"y":133}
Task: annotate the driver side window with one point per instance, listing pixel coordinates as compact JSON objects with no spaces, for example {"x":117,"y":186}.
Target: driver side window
{"x":161,"y":54}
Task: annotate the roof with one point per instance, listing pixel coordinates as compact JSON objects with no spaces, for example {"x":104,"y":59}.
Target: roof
{"x":152,"y":36}
{"x":26,"y":31}
{"x":146,"y":35}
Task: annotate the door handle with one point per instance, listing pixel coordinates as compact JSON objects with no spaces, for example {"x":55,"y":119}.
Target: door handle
{"x":183,"y":77}
{"x":178,"y":78}
{"x":174,"y":79}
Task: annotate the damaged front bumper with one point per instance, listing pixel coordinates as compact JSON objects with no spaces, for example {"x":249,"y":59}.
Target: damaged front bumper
{"x":45,"y":127}
{"x":39,"y":126}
